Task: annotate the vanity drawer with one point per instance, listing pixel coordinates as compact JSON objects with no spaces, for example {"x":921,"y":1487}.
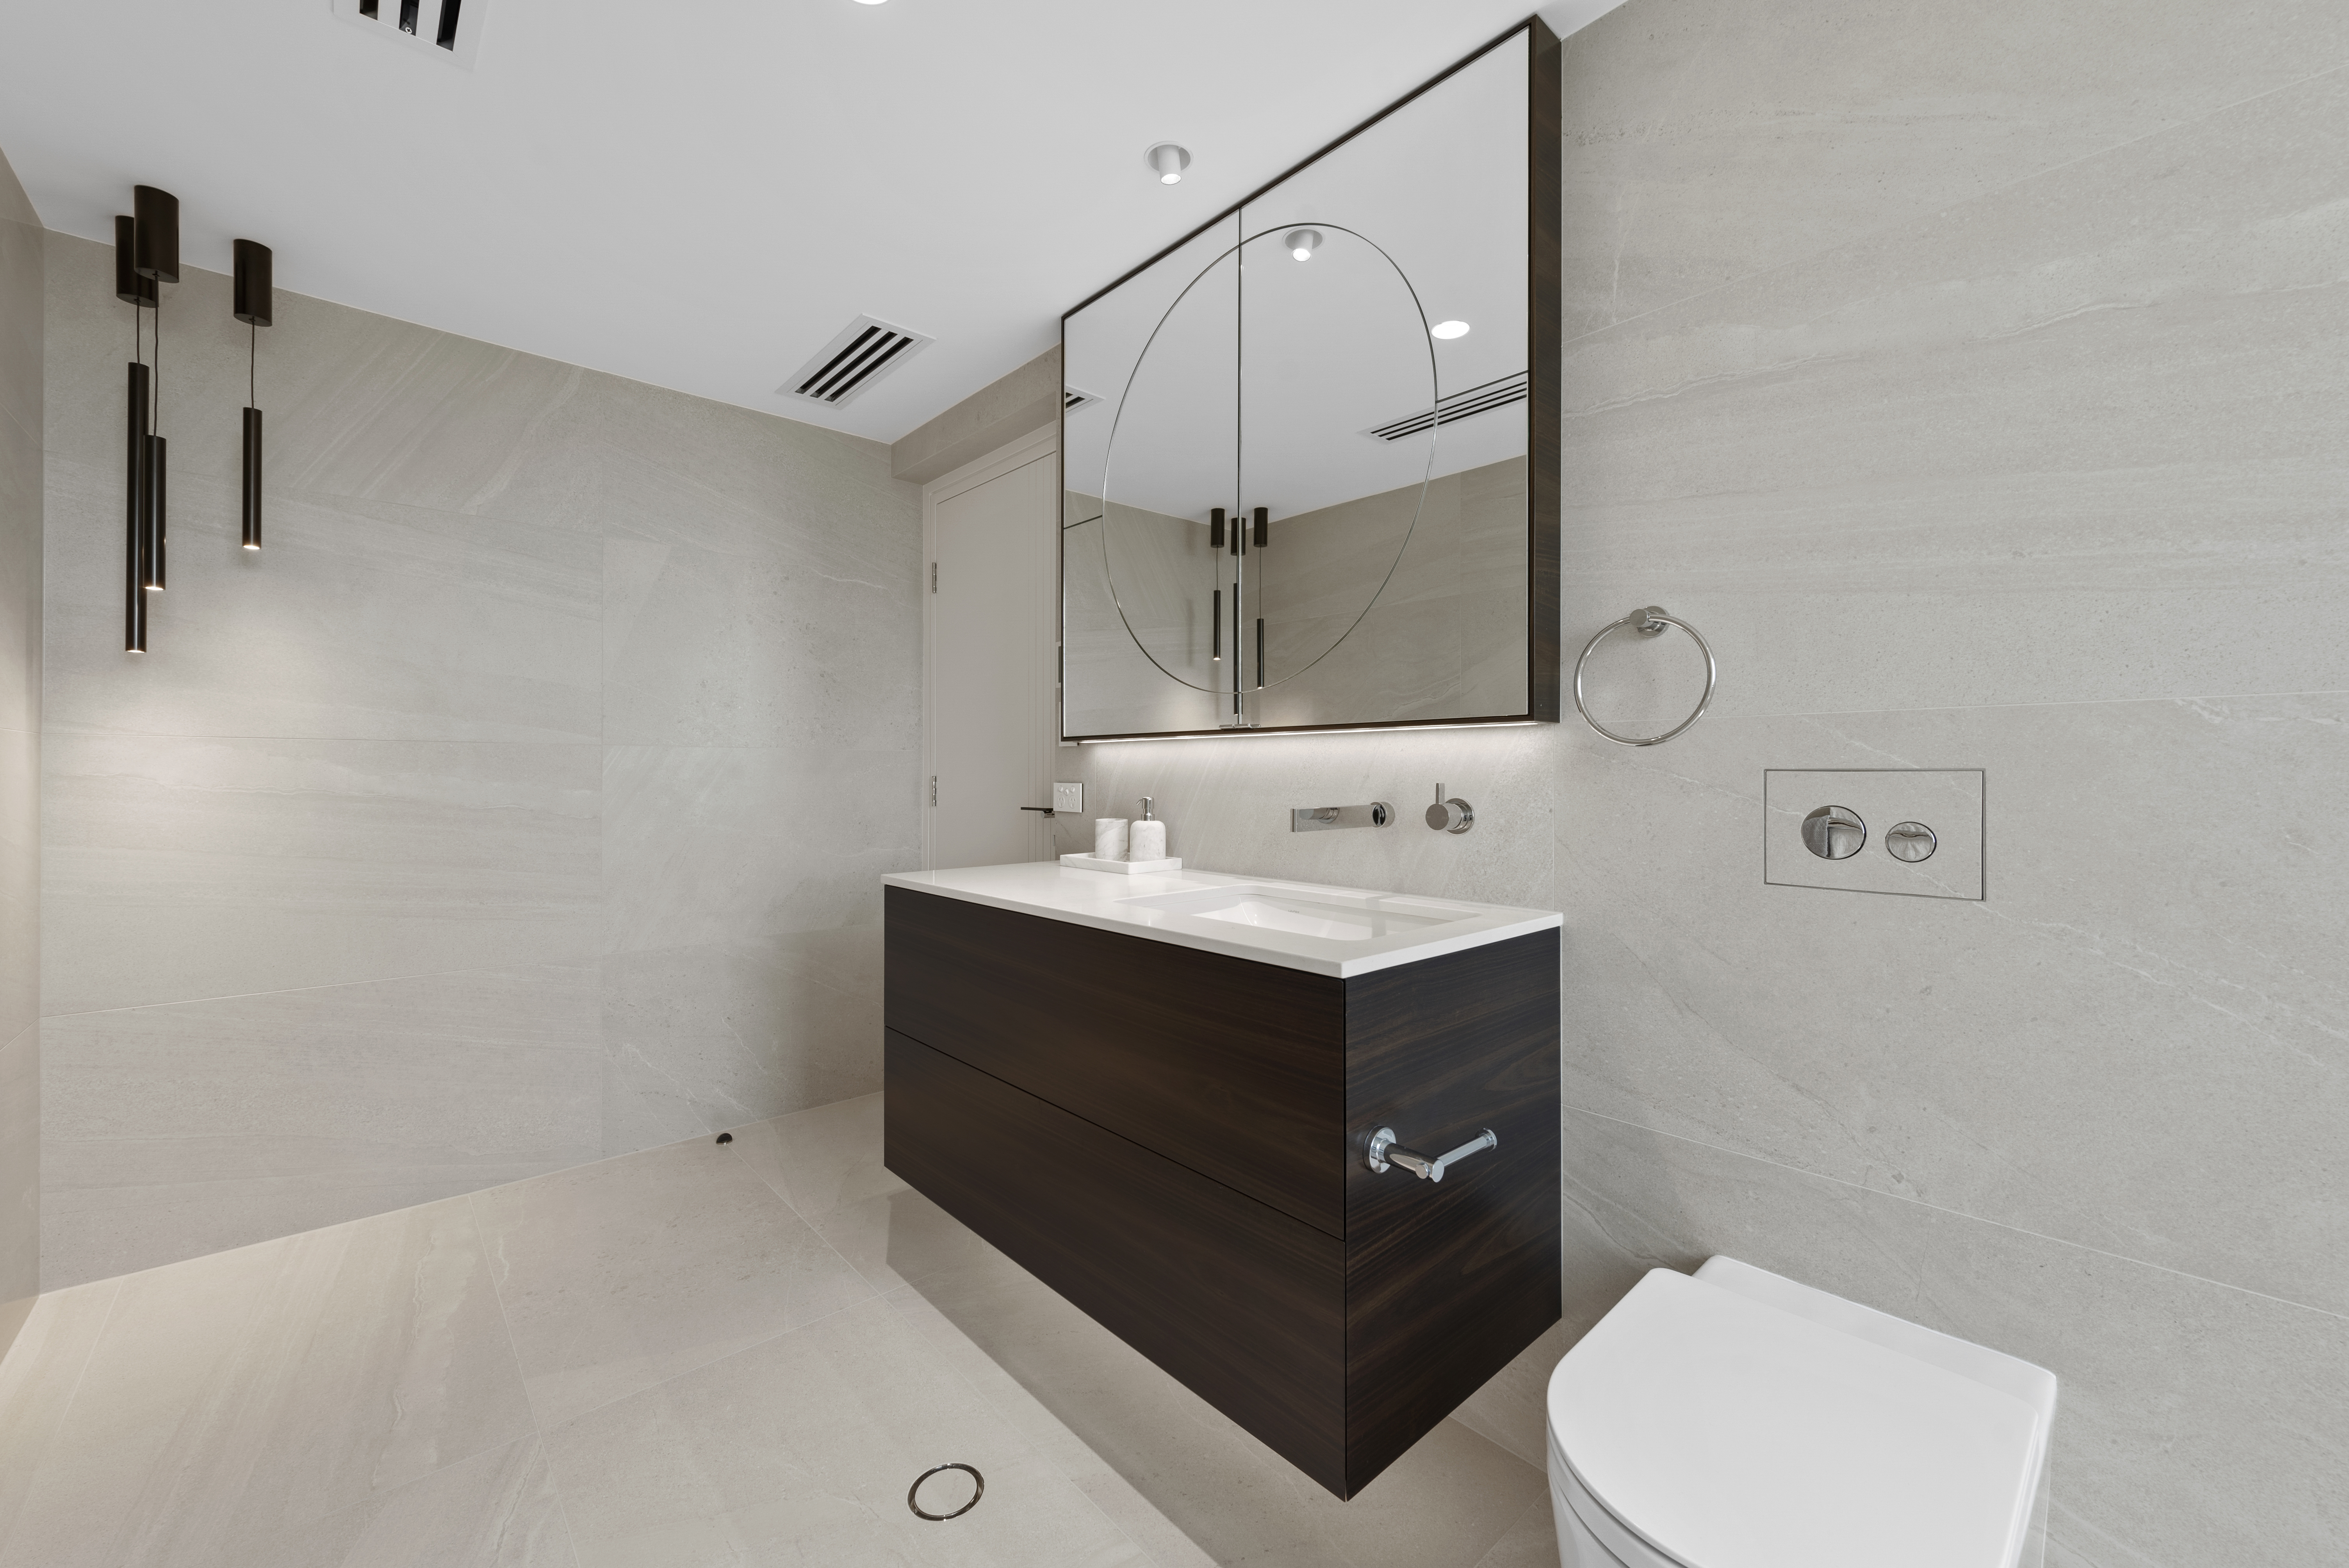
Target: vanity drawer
{"x":1243,"y":1304}
{"x":1236,"y":1070}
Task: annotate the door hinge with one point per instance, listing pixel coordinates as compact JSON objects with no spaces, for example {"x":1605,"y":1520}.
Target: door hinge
{"x":934,"y":789}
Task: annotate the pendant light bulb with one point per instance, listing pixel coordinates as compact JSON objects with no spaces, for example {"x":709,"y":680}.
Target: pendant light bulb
{"x":1302,"y":242}
{"x":1169,"y":160}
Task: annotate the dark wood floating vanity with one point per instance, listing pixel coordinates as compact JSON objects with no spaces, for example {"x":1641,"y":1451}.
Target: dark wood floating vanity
{"x":1171,"y":1128}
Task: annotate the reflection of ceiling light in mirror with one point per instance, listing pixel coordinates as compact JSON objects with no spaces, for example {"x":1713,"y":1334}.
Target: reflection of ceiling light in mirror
{"x":1169,"y":160}
{"x":1302,"y":242}
{"x":1448,"y":329}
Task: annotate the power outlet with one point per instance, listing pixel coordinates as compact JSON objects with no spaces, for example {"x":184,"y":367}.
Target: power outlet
{"x":1069,"y":798}
{"x":1945,"y":802}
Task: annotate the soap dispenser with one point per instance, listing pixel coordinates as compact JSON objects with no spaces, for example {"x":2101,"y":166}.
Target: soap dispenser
{"x":1149,"y":837}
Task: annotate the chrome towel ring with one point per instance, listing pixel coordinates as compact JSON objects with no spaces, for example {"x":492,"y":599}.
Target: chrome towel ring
{"x":1649,"y":623}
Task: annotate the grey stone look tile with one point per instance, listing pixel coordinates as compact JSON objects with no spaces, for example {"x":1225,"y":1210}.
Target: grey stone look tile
{"x":620,"y":1275}
{"x":708,"y":1037}
{"x":714,"y":845}
{"x":180,"y":868}
{"x":187,"y":1128}
{"x":800,"y":1450}
{"x":2189,"y":1410}
{"x":359,"y":620}
{"x":814,"y":642}
{"x":1688,"y":127}
{"x":2140,"y":1053}
{"x":20,"y":1179}
{"x":234,"y":1400}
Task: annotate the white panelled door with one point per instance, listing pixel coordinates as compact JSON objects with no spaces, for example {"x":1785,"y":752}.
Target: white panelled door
{"x":994,"y":559}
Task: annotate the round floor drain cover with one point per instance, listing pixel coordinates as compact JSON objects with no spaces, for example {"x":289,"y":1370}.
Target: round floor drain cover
{"x":914,"y":1492}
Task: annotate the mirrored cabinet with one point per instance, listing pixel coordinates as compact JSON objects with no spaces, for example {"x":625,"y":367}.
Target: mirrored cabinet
{"x":1309,"y":453}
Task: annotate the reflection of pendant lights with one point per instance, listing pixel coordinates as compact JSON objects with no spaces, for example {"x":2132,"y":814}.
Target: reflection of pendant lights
{"x":1302,"y":242}
{"x":254,"y":295}
{"x":146,"y":255}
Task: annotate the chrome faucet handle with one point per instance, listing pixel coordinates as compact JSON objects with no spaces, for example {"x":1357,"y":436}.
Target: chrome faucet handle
{"x":1452,"y":816}
{"x":1385,"y":1152}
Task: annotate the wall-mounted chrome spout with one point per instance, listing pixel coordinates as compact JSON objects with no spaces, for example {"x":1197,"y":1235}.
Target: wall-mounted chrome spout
{"x":1324,"y":819}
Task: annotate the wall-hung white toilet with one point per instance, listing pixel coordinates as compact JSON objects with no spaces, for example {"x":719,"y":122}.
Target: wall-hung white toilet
{"x":1737,"y":1420}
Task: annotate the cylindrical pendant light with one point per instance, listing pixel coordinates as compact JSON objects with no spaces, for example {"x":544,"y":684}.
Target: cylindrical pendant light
{"x":156,"y":512}
{"x":134,"y":553}
{"x":256,"y":298}
{"x":156,"y":244}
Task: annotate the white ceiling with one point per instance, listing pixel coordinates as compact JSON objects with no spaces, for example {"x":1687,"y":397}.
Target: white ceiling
{"x":700,"y":194}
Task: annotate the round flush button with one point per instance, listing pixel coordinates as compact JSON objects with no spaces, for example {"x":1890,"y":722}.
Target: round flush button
{"x":1910,"y":842}
{"x":1834,"y":833}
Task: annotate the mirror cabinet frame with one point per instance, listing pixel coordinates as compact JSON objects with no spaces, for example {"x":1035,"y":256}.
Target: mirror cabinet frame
{"x":1543,"y":411}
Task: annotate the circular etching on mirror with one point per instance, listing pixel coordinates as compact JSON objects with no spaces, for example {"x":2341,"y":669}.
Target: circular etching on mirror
{"x":1302,"y":386}
{"x":1834,"y":833}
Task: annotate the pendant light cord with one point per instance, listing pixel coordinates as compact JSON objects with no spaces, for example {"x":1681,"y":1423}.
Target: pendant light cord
{"x":252,"y":357}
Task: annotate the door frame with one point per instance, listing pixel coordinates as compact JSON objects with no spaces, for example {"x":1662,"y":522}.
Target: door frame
{"x":1044,"y":696}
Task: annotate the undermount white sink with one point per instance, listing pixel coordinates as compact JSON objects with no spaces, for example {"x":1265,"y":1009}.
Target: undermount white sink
{"x":1337,"y":931}
{"x":1330,"y":915}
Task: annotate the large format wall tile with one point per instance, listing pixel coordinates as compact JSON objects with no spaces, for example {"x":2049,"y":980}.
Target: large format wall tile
{"x":359,"y":620}
{"x":712,"y":844}
{"x":192,"y":1126}
{"x":21,"y":480}
{"x":20,"y":1180}
{"x":1226,"y":805}
{"x":2136,"y":1042}
{"x":182,"y":868}
{"x":1957,"y":445}
{"x":357,"y":405}
{"x":2175,"y":1439}
{"x":1706,"y":143}
{"x":809,"y":643}
{"x":702,"y":1038}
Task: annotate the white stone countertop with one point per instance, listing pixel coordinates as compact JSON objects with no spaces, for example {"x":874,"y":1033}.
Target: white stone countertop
{"x":1336,"y":931}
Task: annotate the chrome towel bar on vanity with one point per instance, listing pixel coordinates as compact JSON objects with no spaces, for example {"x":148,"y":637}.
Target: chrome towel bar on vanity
{"x":1649,"y":623}
{"x":1386,"y":1152}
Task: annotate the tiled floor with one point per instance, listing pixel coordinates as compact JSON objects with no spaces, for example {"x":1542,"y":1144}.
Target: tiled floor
{"x":700,"y":1354}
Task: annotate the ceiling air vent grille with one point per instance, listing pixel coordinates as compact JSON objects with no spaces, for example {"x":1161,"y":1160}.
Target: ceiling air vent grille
{"x":865,"y":350}
{"x":1075,"y":398}
{"x":1460,"y":405}
{"x":449,"y":28}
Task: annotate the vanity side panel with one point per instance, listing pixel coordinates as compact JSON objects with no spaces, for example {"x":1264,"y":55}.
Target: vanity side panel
{"x":1234,"y":1068}
{"x":1243,"y":1304}
{"x":1446,"y":1280}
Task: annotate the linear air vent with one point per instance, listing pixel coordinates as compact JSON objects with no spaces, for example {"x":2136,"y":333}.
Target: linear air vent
{"x":1075,"y":398}
{"x":864,"y":351}
{"x":1460,"y":405}
{"x":450,"y":29}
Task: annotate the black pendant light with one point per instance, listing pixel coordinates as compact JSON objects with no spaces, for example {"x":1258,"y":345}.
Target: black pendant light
{"x":254,"y":296}
{"x":154,"y":238}
{"x":137,"y":291}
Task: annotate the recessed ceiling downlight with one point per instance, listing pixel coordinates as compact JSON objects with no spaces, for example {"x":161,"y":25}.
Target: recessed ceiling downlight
{"x":1448,"y":330}
{"x":1169,"y":162}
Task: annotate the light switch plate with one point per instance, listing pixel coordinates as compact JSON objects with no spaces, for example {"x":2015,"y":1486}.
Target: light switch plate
{"x":1068,"y":798}
{"x":1948,"y":800}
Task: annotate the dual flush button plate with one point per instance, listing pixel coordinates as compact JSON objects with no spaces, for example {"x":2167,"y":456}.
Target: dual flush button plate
{"x":1889,"y":805}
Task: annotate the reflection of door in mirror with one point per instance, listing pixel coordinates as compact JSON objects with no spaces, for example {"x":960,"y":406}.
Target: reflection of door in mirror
{"x":1343,"y":370}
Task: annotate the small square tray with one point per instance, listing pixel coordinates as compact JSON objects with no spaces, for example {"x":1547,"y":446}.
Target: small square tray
{"x":1123,"y":867}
